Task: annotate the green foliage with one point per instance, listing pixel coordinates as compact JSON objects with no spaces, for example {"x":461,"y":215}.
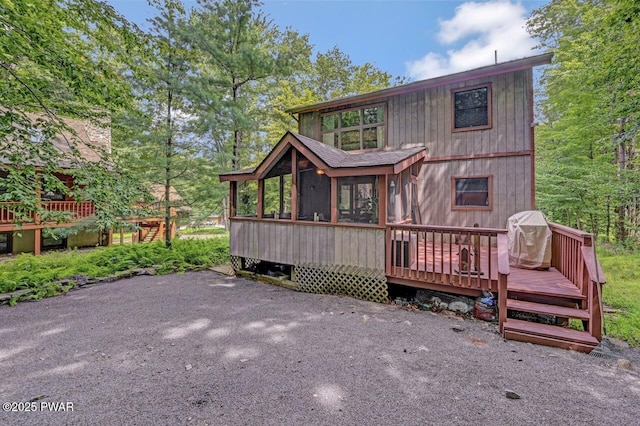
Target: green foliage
{"x":200,"y":93}
{"x":41,"y":272}
{"x":204,"y":231}
{"x":622,"y":292}
{"x":588,"y":165}
{"x":58,"y":59}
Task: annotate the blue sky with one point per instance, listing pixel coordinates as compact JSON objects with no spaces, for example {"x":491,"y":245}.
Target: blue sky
{"x":413,"y":38}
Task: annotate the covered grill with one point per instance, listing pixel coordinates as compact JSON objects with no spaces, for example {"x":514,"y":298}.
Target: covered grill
{"x":529,"y":240}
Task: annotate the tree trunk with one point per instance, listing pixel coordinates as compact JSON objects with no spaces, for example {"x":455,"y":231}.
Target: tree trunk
{"x":621,"y":160}
{"x":237,"y":136}
{"x":167,"y":183}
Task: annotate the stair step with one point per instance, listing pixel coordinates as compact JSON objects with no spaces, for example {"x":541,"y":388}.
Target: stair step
{"x":550,"y":335}
{"x":545,"y":309}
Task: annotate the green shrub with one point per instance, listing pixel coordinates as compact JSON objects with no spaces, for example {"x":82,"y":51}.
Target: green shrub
{"x":41,"y":273}
{"x":622,"y":292}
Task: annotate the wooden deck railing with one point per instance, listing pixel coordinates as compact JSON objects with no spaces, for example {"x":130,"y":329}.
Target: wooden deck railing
{"x":503,"y":274}
{"x":567,"y":248}
{"x":573,"y":255}
{"x":462,"y":257}
{"x":77,"y":210}
{"x":11,"y":212}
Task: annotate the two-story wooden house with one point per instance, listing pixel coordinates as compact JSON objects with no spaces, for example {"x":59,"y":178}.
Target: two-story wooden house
{"x":22,"y":232}
{"x":413,"y":185}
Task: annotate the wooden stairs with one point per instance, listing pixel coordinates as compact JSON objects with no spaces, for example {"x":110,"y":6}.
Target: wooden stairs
{"x":151,"y":231}
{"x":562,"y":301}
{"x":570,"y":290}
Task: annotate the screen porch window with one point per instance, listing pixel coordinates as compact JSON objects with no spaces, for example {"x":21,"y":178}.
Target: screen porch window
{"x":472,"y":192}
{"x":356,"y":129}
{"x":358,"y":199}
{"x":472,"y":109}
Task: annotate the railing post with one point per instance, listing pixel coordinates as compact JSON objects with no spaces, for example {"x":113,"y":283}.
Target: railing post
{"x":595,"y":320}
{"x":389,"y":245}
{"x":502,"y":301}
{"x":503,"y":273}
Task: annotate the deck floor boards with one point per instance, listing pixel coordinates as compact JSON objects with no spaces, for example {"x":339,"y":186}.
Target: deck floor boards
{"x":435,"y":259}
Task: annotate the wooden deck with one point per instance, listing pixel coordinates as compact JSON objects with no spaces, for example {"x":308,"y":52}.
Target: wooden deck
{"x":469,"y":261}
{"x":441,"y":264}
{"x":544,"y":283}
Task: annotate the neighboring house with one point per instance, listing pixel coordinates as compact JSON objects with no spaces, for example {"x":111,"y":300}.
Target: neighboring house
{"x":413,"y":186}
{"x":92,"y":143}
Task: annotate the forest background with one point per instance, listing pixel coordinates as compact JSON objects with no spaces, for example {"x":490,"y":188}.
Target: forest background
{"x":205,"y":90}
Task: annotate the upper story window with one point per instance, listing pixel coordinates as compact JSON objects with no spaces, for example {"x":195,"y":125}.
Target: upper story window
{"x":472,"y":108}
{"x":355,"y":129}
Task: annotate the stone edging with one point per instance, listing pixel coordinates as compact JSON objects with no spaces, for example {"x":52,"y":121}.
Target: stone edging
{"x":80,"y":281}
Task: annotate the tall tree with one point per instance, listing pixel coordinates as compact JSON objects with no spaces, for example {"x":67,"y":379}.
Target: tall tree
{"x":60,"y":59}
{"x":161,"y":123}
{"x":239,"y":48}
{"x":588,"y":168}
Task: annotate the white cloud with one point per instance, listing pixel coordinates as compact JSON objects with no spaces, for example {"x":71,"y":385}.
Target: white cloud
{"x":476,"y":30}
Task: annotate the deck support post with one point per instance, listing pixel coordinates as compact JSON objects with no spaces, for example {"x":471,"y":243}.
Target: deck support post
{"x":502,"y":301}
{"x":382,"y":200}
{"x":37,"y":244}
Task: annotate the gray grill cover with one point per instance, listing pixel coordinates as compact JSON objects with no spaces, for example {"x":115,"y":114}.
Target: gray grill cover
{"x":529,"y":240}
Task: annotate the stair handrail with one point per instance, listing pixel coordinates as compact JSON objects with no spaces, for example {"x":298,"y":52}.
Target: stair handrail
{"x":595,"y":277}
{"x":503,"y":274}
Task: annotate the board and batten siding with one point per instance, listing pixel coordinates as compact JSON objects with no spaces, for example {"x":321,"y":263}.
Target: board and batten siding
{"x":424,"y":118}
{"x":511,"y":191}
{"x":295,"y":243}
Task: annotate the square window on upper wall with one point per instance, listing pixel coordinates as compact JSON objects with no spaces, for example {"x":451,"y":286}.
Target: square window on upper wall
{"x":329,"y":122}
{"x":350,"y":140}
{"x":373,"y":115}
{"x":472,"y":108}
{"x":373,"y":137}
{"x":350,"y":119}
{"x":330,"y":138}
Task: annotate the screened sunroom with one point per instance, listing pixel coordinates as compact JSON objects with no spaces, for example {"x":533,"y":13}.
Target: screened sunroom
{"x":304,"y":180}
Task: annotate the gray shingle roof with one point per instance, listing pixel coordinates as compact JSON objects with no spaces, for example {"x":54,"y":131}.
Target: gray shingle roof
{"x":338,"y":159}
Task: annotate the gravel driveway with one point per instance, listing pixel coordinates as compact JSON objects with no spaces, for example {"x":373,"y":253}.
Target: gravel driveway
{"x":203,"y":348}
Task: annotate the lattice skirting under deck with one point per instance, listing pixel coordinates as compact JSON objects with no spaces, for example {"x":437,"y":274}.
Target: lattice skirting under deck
{"x":236,"y":263}
{"x":353,"y":281}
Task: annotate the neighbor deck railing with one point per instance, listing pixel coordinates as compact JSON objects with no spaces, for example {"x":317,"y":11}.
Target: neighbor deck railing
{"x":461,"y":257}
{"x":12,"y":212}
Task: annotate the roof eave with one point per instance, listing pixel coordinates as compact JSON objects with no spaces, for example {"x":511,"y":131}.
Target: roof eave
{"x":486,"y":71}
